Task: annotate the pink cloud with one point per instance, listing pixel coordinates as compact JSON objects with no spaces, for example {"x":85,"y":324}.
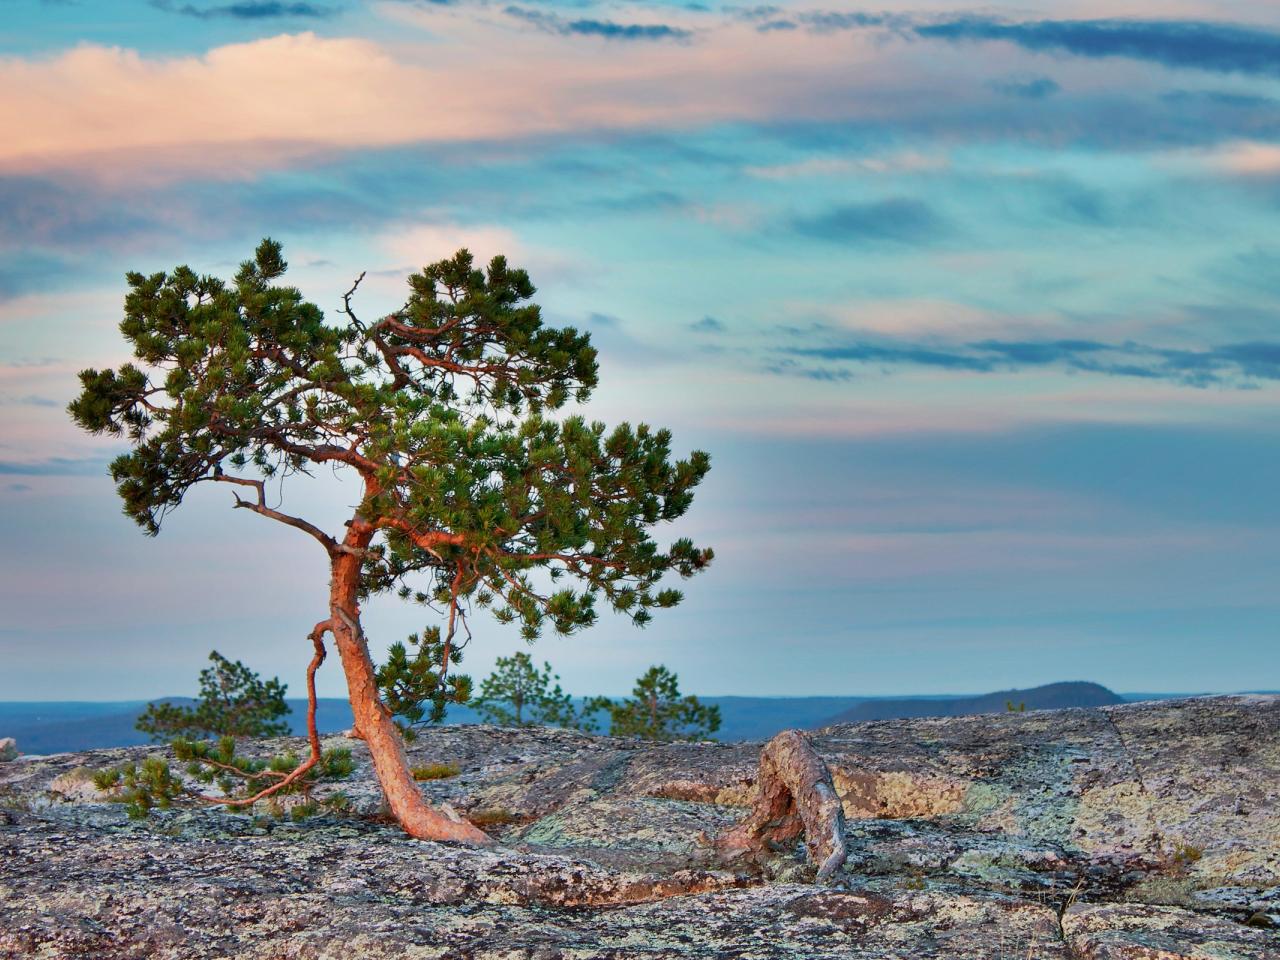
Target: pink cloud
{"x":899,"y":163}
{"x":115,"y":113}
{"x":1248,"y":159}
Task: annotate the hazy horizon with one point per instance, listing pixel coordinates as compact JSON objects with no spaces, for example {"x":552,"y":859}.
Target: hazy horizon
{"x":712,"y":695}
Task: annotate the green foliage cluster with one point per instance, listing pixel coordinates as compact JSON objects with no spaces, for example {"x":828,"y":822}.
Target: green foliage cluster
{"x":411,"y":685}
{"x":234,"y":701}
{"x":657,"y":711}
{"x":217,"y":762}
{"x":518,"y":694}
{"x":153,"y":784}
{"x":140,"y":787}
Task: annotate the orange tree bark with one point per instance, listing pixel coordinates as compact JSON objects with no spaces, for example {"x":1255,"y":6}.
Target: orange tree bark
{"x":372,"y":719}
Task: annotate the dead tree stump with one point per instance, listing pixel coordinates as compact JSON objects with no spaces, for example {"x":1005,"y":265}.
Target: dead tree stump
{"x":795,"y":795}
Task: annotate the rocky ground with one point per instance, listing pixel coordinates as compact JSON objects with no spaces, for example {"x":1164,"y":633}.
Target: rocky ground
{"x":1148,"y":831}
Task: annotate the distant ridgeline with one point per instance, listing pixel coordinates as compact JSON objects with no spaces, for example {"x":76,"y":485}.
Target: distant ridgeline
{"x":55,"y":727}
{"x":1053,"y":696}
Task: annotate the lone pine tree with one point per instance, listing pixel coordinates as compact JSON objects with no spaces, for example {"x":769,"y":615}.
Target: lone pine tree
{"x":471,"y":497}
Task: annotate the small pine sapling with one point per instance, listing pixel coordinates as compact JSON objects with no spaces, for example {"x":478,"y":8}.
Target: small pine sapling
{"x":657,"y":711}
{"x":234,"y":701}
{"x":518,"y":694}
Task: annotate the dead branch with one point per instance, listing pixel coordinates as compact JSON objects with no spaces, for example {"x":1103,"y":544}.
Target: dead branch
{"x":260,"y":507}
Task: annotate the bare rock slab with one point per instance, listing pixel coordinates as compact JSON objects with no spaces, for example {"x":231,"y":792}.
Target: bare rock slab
{"x":1140,"y":832}
{"x":1139,"y":932}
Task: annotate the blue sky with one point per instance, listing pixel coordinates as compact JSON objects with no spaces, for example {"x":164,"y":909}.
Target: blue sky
{"x":974,"y":307}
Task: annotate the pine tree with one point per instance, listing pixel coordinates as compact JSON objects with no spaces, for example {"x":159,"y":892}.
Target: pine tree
{"x":472,"y":497}
{"x":234,"y":701}
{"x":518,"y":694}
{"x":656,"y":711}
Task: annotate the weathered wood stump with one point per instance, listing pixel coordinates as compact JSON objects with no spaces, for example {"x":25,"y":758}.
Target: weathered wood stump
{"x":795,"y":796}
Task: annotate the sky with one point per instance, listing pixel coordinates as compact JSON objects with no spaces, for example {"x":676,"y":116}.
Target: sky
{"x":974,"y":307}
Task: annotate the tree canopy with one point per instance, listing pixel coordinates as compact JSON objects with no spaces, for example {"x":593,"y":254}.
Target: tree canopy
{"x":438,"y":406}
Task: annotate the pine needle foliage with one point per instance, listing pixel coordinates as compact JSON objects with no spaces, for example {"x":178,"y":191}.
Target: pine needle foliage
{"x":657,"y":711}
{"x":411,"y":685}
{"x":234,"y":701}
{"x":475,"y":497}
{"x":141,"y":787}
{"x":237,"y":776}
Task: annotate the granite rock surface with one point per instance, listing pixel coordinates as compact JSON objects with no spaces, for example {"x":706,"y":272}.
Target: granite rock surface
{"x":1139,"y":832}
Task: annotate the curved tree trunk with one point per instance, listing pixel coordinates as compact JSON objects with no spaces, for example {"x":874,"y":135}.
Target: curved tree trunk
{"x":794,"y":796}
{"x":372,"y":719}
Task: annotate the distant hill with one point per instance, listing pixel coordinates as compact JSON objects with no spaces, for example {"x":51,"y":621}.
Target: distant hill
{"x":1053,"y":696}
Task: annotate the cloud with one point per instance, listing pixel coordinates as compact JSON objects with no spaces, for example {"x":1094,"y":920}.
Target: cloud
{"x":707,"y":325}
{"x":1202,"y":45}
{"x":898,"y":220}
{"x":1026,"y":88}
{"x":1238,"y":365}
{"x":39,"y":212}
{"x":618,"y":346}
{"x":108,"y":114}
{"x":248,"y":10}
{"x":1220,"y":98}
{"x":826,"y":21}
{"x":239,"y":108}
{"x":552,"y":23}
{"x":1246,"y":159}
{"x":32,"y":271}
{"x":906,"y":162}
{"x":54,"y":467}
{"x":420,"y":244}
{"x":1194,"y":44}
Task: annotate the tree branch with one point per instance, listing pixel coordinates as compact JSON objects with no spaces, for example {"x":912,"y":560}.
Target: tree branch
{"x":313,"y":736}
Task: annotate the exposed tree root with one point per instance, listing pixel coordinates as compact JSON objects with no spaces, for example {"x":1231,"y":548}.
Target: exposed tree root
{"x":794,"y":796}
